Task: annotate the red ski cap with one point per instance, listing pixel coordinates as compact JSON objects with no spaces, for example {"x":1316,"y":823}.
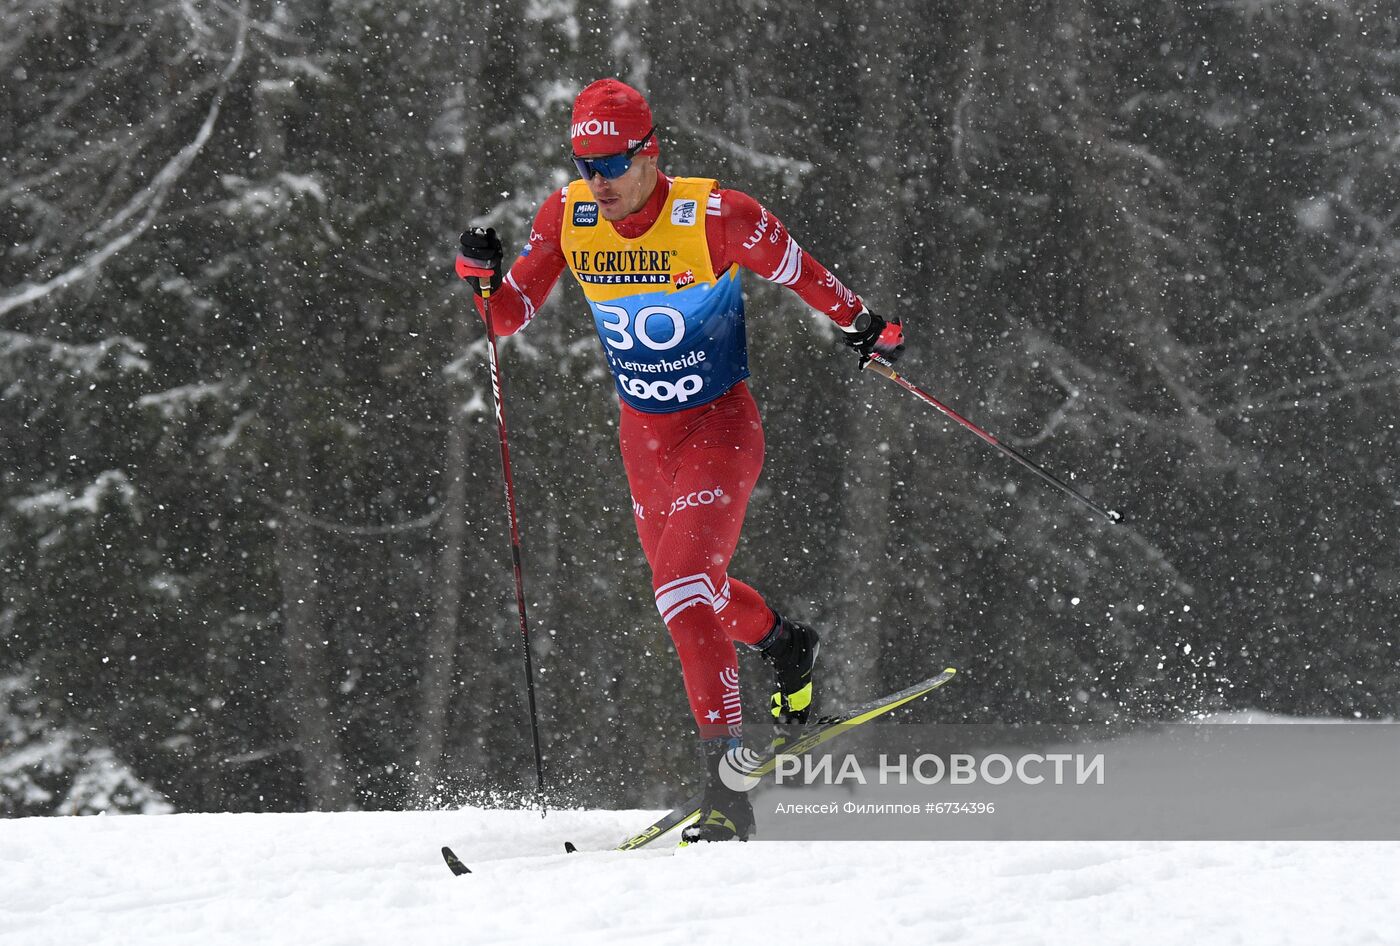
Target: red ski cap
{"x":610,"y":117}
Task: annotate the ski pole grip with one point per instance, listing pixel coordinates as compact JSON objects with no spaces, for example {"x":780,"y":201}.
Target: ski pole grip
{"x":881,"y":366}
{"x":482,"y":274}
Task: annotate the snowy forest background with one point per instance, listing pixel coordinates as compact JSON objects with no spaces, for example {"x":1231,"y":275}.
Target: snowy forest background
{"x":252,"y":534}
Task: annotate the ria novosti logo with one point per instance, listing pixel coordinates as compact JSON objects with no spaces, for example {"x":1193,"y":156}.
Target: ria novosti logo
{"x":738,"y":768}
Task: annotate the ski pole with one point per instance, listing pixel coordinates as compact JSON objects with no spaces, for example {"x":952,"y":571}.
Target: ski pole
{"x":881,"y":365}
{"x":497,"y":393}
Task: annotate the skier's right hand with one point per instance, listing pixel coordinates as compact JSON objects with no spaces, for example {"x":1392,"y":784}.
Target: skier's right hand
{"x":482,"y":253}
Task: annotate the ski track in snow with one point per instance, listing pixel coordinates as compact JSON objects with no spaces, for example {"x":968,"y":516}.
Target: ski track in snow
{"x":377,"y":878}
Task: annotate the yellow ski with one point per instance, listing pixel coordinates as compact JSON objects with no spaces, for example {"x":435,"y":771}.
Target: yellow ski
{"x":826,"y":728}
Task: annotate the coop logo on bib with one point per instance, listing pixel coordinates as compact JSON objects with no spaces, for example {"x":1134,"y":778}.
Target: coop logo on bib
{"x":586,"y":214}
{"x":682,"y":390}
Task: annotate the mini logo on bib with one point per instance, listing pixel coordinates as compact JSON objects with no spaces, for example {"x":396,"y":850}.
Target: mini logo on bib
{"x":683,"y":213}
{"x":586,"y":214}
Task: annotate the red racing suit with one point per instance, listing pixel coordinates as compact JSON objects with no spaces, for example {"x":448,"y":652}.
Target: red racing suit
{"x":691,"y":467}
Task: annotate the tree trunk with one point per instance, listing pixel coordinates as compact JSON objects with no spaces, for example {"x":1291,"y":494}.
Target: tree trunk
{"x":439,"y":672}
{"x":440,"y":654}
{"x":870,"y":413}
{"x":304,"y":639}
{"x":328,"y":786}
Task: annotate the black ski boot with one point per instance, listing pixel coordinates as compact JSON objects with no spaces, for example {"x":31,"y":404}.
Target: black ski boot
{"x":725,"y":813}
{"x":791,"y":650}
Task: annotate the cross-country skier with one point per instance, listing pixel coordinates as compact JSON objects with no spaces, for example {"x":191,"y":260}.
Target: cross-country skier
{"x":658,"y":259}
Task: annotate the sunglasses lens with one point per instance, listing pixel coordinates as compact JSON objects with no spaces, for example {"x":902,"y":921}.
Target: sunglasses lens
{"x":614,"y":165}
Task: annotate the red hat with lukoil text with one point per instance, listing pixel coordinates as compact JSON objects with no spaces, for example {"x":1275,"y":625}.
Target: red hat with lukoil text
{"x":609,"y":117}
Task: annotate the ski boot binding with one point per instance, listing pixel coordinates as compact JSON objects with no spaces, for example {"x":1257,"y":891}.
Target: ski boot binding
{"x":725,"y":813}
{"x":791,"y":651}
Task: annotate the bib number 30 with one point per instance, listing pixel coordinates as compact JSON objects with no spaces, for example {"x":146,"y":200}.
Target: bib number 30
{"x":621,"y":331}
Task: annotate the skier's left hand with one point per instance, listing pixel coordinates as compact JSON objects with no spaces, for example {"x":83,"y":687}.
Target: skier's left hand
{"x":871,"y":335}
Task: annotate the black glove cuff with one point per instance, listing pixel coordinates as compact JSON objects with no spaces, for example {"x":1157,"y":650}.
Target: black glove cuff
{"x":864,"y":331}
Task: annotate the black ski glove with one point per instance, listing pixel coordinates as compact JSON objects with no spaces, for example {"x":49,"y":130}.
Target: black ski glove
{"x":481,"y":253}
{"x":871,"y":335}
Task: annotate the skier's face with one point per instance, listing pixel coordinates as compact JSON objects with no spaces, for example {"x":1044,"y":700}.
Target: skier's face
{"x":620,"y":196}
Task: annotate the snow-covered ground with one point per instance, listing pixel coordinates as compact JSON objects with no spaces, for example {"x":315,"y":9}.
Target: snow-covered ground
{"x":377,"y":878}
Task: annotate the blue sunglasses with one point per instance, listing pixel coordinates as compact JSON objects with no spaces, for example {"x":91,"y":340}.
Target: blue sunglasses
{"x":611,"y":166}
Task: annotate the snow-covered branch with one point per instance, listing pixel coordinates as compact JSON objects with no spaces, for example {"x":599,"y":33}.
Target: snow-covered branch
{"x":141,"y":210}
{"x":764,"y":161}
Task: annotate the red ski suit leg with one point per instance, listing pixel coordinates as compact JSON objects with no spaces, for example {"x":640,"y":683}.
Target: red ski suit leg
{"x":691,"y":473}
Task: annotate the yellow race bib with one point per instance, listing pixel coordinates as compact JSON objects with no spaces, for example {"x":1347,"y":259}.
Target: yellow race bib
{"x":672,"y":328}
